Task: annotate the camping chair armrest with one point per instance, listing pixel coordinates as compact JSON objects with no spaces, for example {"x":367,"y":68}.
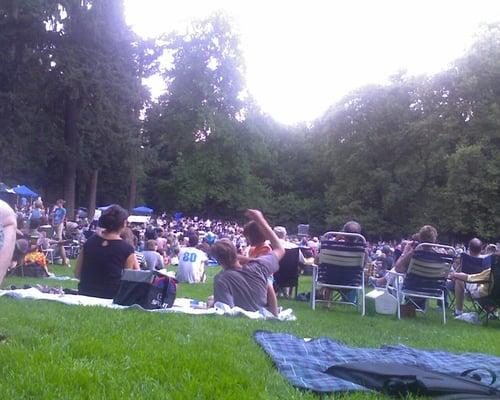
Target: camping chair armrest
{"x":396,"y":273}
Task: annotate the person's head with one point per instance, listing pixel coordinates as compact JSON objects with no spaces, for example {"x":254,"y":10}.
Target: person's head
{"x":386,"y":250}
{"x":253,"y":234}
{"x":225,"y":253}
{"x":427,"y":234}
{"x":128,"y":236}
{"x":475,"y":246}
{"x":151,"y":245}
{"x":352,"y":227}
{"x":193,"y":240}
{"x":60,"y":202}
{"x":38,"y":204}
{"x":280,"y":232}
{"x":113,"y":219}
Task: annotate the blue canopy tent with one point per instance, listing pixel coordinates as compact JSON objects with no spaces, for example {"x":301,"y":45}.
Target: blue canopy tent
{"x":24,"y":191}
{"x":142,"y":210}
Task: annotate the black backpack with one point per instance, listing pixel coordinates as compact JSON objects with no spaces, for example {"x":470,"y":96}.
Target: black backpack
{"x":400,"y":380}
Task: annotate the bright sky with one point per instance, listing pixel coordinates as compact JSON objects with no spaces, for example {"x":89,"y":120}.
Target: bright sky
{"x":303,"y":56}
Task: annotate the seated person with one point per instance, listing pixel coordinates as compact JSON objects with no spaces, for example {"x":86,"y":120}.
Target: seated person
{"x":36,"y":257}
{"x":131,"y":239}
{"x":426,"y":234}
{"x":154,"y":260}
{"x":481,"y":281}
{"x":474,"y":250}
{"x":246,"y":287}
{"x":192,"y":262}
{"x":104,"y":256}
{"x":258,"y":247}
{"x":8,"y":228}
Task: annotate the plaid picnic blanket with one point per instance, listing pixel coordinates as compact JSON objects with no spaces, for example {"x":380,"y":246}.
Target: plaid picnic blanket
{"x":302,"y":362}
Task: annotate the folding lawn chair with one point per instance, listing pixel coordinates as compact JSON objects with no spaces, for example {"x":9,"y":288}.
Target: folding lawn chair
{"x":486,"y":306}
{"x":288,"y":274}
{"x":341,"y":267}
{"x":426,"y":276}
{"x":473,"y":265}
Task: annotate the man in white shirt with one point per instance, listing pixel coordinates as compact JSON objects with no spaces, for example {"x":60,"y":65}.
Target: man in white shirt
{"x":192,"y":263}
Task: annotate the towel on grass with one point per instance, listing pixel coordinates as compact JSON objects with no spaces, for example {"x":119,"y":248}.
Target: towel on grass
{"x":303,"y":361}
{"x":181,"y":305}
{"x":60,"y":278}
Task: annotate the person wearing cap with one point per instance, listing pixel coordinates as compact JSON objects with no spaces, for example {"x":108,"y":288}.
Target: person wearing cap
{"x":58,"y":217}
{"x":8,"y":227}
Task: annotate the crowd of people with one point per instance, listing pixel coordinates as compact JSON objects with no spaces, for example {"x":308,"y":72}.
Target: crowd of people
{"x":249,"y":254}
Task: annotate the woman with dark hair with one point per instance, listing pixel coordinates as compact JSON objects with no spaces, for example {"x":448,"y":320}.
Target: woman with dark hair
{"x":104,"y":256}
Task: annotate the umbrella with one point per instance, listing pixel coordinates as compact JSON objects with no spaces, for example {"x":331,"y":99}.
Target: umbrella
{"x":24,"y":191}
{"x":142,"y":210}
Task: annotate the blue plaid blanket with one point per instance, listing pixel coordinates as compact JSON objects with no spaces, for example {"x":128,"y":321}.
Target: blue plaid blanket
{"x":303,"y":362}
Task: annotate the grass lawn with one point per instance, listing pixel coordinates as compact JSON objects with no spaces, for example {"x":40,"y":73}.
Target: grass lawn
{"x":54,"y":351}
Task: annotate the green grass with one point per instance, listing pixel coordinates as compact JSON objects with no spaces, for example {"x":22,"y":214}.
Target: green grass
{"x":53,"y":351}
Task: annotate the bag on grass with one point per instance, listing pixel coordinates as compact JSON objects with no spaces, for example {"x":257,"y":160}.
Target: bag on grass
{"x":148,"y":289}
{"x":401,"y":380}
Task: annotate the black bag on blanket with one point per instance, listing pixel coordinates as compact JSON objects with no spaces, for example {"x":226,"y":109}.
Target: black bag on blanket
{"x":148,"y":289}
{"x":401,"y":380}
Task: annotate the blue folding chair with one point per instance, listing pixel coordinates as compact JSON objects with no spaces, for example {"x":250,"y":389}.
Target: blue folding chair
{"x":426,"y":276}
{"x":341,"y":267}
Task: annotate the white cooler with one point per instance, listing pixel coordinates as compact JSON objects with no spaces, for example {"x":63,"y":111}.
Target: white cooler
{"x":380,"y":302}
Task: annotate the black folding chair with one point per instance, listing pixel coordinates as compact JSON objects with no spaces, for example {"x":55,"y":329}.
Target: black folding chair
{"x":487,"y":305}
{"x":288,"y":274}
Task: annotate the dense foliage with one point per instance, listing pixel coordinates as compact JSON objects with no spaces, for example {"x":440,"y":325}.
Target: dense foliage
{"x":417,"y":150}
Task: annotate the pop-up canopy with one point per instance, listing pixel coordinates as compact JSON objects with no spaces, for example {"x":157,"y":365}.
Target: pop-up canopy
{"x":142,"y":210}
{"x":24,"y":191}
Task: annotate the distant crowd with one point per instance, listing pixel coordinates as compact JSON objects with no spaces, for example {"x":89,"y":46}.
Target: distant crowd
{"x":249,"y":254}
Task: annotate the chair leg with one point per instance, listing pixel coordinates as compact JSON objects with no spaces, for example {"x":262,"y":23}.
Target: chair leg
{"x":313,"y":296}
{"x":443,"y":308}
{"x":363,"y":301}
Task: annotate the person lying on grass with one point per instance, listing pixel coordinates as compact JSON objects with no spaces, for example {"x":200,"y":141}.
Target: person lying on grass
{"x":246,"y":286}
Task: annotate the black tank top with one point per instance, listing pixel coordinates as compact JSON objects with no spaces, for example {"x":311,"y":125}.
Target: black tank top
{"x":103,"y":263}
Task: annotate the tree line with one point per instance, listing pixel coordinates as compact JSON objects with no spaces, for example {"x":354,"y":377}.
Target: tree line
{"x":76,"y":121}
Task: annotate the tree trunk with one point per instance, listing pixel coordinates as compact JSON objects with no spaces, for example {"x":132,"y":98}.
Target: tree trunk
{"x":71,"y":114}
{"x":133,"y":186}
{"x":93,"y":194}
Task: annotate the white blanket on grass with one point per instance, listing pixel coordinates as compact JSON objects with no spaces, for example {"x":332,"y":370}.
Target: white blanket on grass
{"x":181,"y":305}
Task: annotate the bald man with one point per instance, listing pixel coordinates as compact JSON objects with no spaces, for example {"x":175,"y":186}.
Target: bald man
{"x":8,"y":227}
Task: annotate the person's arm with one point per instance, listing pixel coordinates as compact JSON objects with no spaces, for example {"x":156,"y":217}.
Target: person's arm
{"x":269,"y":234}
{"x":8,"y":229}
{"x":401,"y":265}
{"x":79,"y":264}
{"x":162,"y":264}
{"x":131,"y":262}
